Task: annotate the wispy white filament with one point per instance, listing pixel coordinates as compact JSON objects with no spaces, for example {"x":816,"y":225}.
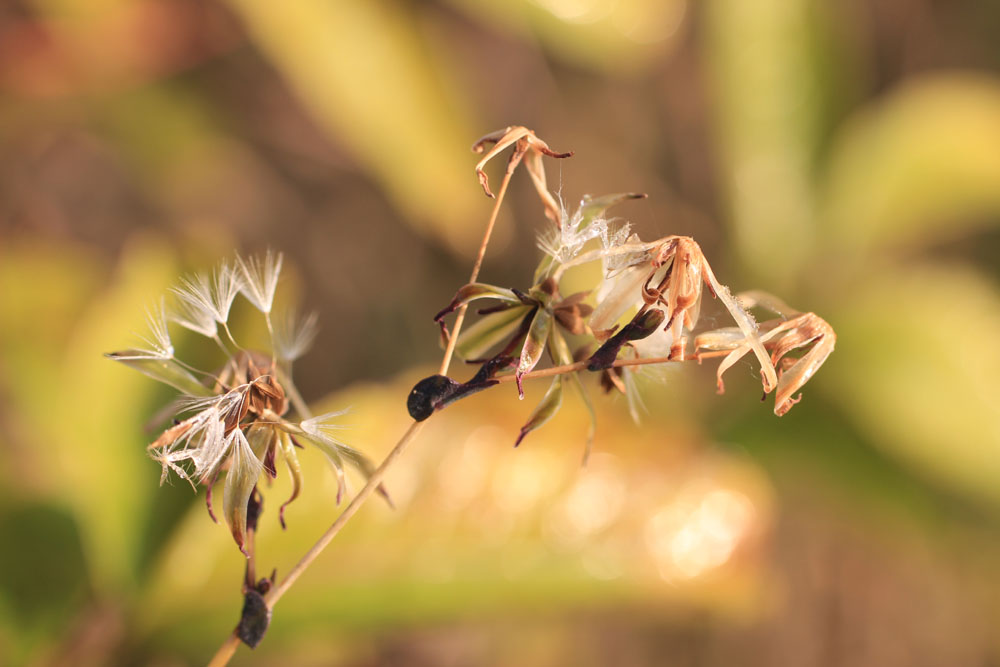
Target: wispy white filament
{"x":203,"y":301}
{"x":293,"y":335}
{"x":321,"y":425}
{"x":260,"y":279}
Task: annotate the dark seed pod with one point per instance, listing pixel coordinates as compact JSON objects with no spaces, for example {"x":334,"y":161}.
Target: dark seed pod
{"x":254,"y":620}
{"x":641,"y":326}
{"x":255,"y":505}
{"x":428,"y":395}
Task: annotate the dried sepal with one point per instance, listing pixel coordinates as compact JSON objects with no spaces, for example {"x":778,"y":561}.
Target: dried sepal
{"x":718,"y":340}
{"x":592,"y":208}
{"x":489,"y":331}
{"x":780,"y":337}
{"x":244,"y":471}
{"x":473,"y":291}
{"x":804,"y":330}
{"x":592,"y":415}
{"x":615,"y":297}
{"x":562,"y":355}
{"x":263,"y":439}
{"x":571,"y":313}
{"x":546,"y":410}
{"x":747,"y":325}
{"x":534,"y":346}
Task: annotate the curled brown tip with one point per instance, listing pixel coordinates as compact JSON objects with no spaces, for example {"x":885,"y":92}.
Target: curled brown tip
{"x":545,"y":150}
{"x":484,"y":181}
{"x":518,"y":379}
{"x":490,"y":138}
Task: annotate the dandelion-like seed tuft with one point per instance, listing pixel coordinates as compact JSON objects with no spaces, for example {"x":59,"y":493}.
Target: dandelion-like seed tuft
{"x":234,"y":420}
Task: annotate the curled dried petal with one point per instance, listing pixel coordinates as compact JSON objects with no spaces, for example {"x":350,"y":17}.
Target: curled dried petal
{"x":244,"y":471}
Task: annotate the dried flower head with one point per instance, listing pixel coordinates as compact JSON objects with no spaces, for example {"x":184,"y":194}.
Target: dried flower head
{"x":791,"y":331}
{"x":655,"y":288}
{"x":529,"y":147}
{"x":234,"y":421}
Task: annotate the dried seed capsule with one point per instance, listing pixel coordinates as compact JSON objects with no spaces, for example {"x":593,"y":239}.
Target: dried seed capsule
{"x":641,"y":326}
{"x":428,"y":394}
{"x":254,"y":619}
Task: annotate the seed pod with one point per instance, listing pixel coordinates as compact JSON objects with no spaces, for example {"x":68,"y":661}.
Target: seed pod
{"x":641,"y":326}
{"x":428,"y":394}
{"x":254,"y":619}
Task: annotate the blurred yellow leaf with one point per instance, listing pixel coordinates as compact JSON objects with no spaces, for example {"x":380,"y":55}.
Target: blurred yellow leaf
{"x":362,"y":69}
{"x":79,"y":414}
{"x":922,"y":165}
{"x":623,"y":35}
{"x":96,"y":445}
{"x":918,"y":368}
{"x":767,"y":111}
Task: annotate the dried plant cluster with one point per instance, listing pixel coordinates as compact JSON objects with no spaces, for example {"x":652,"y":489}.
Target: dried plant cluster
{"x":642,"y":311}
{"x":233,"y":420}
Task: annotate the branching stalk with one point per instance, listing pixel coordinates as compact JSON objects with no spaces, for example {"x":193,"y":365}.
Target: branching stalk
{"x":225,"y":652}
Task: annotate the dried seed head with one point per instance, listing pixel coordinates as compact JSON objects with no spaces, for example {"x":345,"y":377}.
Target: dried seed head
{"x":527,"y":146}
{"x":232,"y":422}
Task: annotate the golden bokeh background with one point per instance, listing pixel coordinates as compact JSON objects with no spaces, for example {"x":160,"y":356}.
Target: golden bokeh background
{"x":845,"y":155}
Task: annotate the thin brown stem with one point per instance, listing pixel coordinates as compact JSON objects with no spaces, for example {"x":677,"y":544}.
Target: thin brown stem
{"x":293,"y":394}
{"x":581,"y":365}
{"x":228,"y":648}
{"x":278,"y":591}
{"x":226,"y":651}
{"x":460,"y":318}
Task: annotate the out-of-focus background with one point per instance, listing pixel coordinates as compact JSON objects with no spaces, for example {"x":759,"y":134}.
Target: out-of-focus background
{"x":845,"y":155}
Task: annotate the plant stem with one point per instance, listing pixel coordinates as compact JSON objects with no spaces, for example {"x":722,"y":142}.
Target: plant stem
{"x":581,"y":365}
{"x":225,"y":652}
{"x":460,"y":318}
{"x":285,"y":377}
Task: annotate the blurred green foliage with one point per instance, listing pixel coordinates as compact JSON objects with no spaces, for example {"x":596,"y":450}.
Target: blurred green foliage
{"x":833,"y":153}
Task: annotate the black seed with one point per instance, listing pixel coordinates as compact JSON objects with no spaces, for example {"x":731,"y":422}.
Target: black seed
{"x":254,"y":619}
{"x":255,"y":505}
{"x":428,"y":394}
